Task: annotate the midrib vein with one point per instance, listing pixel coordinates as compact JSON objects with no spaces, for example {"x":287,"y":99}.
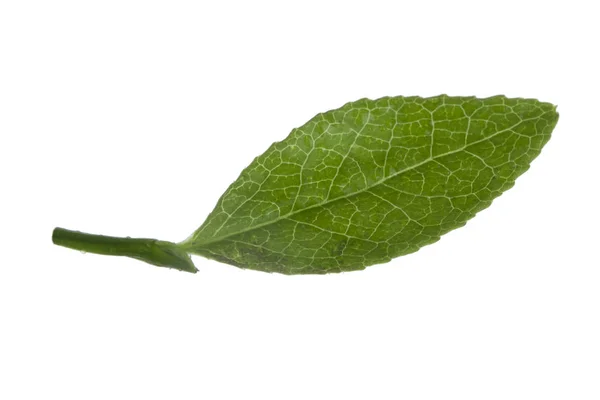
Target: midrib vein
{"x":190,"y":243}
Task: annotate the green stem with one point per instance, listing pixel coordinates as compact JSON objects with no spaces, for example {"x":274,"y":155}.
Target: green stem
{"x":152,"y":251}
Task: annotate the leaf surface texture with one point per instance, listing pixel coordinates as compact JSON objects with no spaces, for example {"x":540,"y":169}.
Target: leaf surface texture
{"x":371,"y":181}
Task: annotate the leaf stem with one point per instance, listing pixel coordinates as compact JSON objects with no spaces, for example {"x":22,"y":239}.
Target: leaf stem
{"x":152,"y":251}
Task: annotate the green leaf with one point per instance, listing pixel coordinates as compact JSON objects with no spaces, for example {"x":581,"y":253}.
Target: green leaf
{"x":372,"y":180}
{"x":357,"y":186}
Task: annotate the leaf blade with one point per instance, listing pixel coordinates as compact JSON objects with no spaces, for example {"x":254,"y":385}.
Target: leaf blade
{"x":372,"y":180}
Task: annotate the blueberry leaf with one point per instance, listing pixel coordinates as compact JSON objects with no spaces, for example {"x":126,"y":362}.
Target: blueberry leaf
{"x":357,"y":186}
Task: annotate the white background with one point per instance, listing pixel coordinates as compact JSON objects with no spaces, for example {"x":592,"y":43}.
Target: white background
{"x":132,"y":117}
